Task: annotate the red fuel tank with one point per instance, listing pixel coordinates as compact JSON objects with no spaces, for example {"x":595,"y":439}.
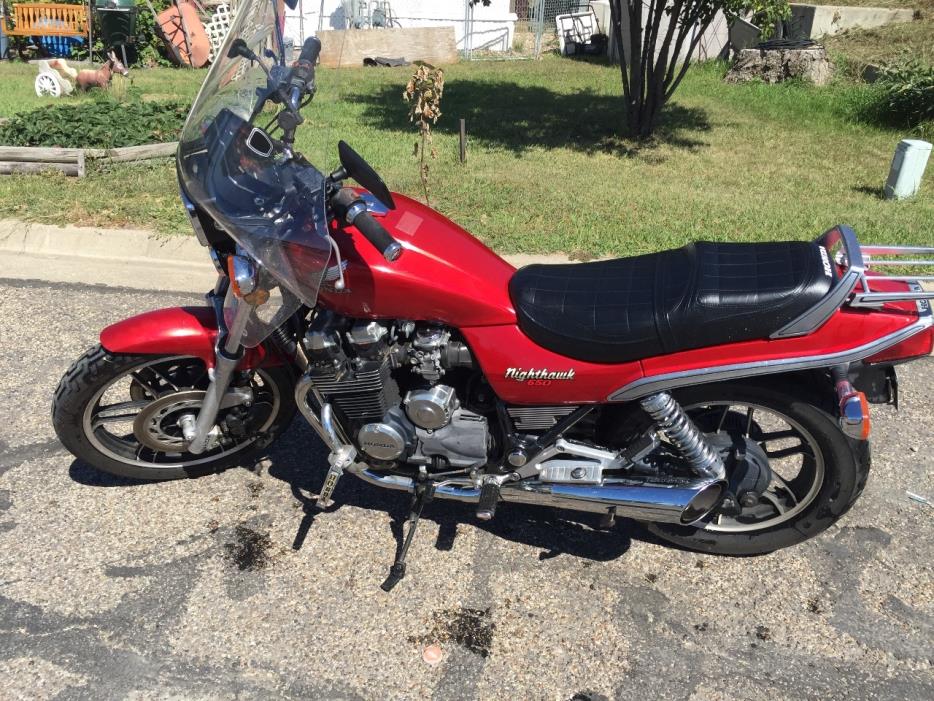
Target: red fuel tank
{"x":443,"y":275}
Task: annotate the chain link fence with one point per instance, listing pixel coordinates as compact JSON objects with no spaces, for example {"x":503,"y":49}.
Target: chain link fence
{"x":532,"y":33}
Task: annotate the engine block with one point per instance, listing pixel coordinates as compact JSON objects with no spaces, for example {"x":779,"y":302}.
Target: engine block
{"x":360,"y":394}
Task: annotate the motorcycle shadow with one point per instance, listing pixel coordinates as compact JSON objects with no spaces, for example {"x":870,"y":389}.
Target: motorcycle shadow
{"x":299,"y":459}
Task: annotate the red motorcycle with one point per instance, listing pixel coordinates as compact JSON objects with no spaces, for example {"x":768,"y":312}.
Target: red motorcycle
{"x":718,"y":392}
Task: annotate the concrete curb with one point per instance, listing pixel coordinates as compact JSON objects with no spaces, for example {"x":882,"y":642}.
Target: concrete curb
{"x":125,"y":245}
{"x":137,"y":245}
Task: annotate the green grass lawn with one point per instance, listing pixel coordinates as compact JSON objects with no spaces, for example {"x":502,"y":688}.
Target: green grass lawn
{"x":545,"y":170}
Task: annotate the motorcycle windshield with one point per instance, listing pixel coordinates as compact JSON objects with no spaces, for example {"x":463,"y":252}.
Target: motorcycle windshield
{"x":273,"y":207}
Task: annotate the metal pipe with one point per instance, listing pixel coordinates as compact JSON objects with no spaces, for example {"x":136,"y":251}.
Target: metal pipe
{"x":646,"y":501}
{"x":302,"y":388}
{"x":882,"y":250}
{"x":684,"y":503}
{"x":876,"y":262}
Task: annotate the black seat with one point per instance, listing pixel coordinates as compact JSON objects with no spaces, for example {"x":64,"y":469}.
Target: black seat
{"x":701,"y":295}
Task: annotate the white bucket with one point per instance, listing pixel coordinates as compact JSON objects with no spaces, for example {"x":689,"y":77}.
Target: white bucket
{"x":908,"y":164}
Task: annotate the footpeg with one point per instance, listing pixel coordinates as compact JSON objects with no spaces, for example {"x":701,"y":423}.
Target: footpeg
{"x":340,"y":460}
{"x":342,"y":456}
{"x":489,"y":498}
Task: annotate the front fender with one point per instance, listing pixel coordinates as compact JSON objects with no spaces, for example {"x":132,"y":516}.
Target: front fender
{"x":176,"y":331}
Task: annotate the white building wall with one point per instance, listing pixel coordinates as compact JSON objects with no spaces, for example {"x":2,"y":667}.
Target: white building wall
{"x":492,"y":27}
{"x":710,"y":46}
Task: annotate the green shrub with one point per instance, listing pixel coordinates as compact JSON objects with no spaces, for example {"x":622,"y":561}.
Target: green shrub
{"x":100,"y":123}
{"x":903,"y":96}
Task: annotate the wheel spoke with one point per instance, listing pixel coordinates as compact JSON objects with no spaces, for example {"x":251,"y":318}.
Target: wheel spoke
{"x":201,"y":375}
{"x":147,"y":385}
{"x":780,"y":482}
{"x":162,"y":377}
{"x":800,"y":449}
{"x":126,"y":411}
{"x":749,"y":421}
{"x":726,"y":411}
{"x":778,"y":435}
{"x":774,"y":501}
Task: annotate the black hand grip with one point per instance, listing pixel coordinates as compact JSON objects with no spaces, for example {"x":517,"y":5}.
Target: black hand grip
{"x":310,"y":50}
{"x":304,"y":67}
{"x":376,"y":234}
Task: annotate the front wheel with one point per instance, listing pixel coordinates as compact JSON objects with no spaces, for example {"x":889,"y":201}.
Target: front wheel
{"x":119,"y":414}
{"x":807,"y":472}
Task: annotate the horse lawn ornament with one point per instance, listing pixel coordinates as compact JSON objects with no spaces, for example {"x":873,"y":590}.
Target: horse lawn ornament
{"x":101,"y":77}
{"x":51,"y":81}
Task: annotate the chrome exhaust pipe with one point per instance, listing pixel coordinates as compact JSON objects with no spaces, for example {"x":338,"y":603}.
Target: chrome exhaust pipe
{"x":683,"y":504}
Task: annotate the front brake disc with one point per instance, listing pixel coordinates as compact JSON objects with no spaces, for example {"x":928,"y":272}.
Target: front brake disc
{"x":156,"y":426}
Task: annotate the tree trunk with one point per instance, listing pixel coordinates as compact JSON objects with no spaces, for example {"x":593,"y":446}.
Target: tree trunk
{"x":649,"y":81}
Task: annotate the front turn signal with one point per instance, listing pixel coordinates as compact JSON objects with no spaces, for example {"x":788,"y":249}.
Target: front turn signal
{"x":243,"y":281}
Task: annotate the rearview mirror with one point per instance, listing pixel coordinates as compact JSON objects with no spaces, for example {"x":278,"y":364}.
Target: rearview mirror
{"x":361,"y":171}
{"x":239,"y":49}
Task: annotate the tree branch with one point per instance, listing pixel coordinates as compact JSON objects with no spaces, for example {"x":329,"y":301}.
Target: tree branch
{"x":617,"y":30}
{"x":687,"y":62}
{"x":685,"y":28}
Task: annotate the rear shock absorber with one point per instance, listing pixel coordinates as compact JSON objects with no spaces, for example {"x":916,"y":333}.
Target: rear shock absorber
{"x":673,"y":421}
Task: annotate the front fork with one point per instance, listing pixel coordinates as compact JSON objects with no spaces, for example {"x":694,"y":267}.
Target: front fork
{"x":201,"y":432}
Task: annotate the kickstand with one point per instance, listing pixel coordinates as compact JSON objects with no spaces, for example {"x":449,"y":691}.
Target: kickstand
{"x":424,"y":491}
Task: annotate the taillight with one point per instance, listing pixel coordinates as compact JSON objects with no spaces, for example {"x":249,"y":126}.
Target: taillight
{"x":917,"y":346}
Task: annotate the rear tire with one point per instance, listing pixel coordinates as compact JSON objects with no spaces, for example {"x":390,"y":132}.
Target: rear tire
{"x":98,"y":370}
{"x":844,"y":470}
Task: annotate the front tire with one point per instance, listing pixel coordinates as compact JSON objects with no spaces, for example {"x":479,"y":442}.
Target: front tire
{"x":833,"y":473}
{"x":118,"y":414}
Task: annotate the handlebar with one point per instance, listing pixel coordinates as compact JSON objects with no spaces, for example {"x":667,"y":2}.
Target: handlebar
{"x":351,"y":208}
{"x":376,"y":234}
{"x":302,"y":77}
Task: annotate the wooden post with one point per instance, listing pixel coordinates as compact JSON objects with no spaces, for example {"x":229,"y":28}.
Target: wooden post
{"x":91,"y":31}
{"x":463,"y":140}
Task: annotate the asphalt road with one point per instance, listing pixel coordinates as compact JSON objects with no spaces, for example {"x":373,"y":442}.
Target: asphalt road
{"x":229,"y":587}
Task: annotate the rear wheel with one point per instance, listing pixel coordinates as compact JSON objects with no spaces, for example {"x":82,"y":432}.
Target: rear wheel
{"x":119,"y":413}
{"x":800,"y":475}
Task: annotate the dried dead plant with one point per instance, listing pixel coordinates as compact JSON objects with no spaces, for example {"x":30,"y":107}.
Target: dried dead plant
{"x":423,"y":95}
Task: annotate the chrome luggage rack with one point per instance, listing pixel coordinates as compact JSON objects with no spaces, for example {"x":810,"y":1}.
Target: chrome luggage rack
{"x":853,"y":287}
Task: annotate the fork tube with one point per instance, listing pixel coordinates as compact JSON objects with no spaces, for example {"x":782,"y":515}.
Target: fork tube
{"x":227,"y":354}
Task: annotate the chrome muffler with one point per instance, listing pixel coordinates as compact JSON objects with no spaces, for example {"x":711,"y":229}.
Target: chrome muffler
{"x":684,"y":503}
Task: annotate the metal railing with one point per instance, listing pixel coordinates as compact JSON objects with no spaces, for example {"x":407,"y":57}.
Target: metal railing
{"x":895,"y":256}
{"x":853,"y":286}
